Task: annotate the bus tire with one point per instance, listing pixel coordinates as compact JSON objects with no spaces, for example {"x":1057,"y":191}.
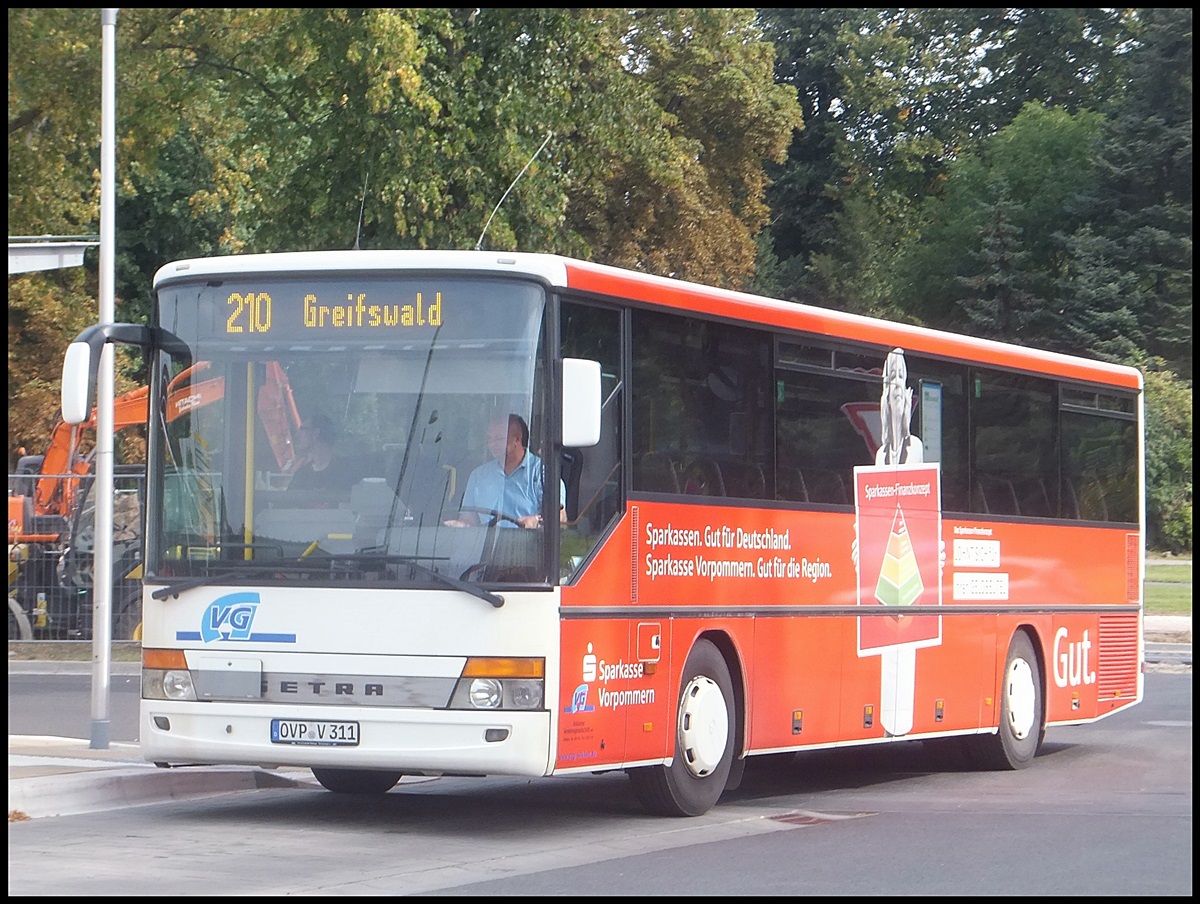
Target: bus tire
{"x":128,"y":623}
{"x":18,"y":622}
{"x":1022,"y":712}
{"x":356,"y":781}
{"x":704,"y":741}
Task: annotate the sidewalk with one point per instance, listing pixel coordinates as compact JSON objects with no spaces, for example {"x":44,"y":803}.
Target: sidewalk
{"x":1168,"y":628}
{"x":50,"y":776}
{"x":64,"y":776}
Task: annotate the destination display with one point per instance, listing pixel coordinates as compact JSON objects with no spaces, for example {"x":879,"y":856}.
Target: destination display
{"x":348,"y":306}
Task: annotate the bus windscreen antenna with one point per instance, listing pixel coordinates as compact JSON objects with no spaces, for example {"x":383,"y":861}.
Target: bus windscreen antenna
{"x":362,"y":207}
{"x":479,"y":244}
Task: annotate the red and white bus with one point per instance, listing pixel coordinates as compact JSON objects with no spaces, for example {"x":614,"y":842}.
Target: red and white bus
{"x":785,"y":528}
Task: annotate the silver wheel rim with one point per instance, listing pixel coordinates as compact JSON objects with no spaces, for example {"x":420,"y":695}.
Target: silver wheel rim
{"x":703,"y":726}
{"x":1021,"y":697}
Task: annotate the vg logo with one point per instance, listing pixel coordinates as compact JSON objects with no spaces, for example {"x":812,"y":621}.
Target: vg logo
{"x":230,"y":618}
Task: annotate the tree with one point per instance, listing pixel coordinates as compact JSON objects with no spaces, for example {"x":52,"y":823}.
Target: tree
{"x":42,"y":309}
{"x":998,"y":301}
{"x":1069,"y":58}
{"x":805,"y":193}
{"x":1019,"y":188}
{"x":1095,"y":301}
{"x":662,"y":122}
{"x":1142,"y":202}
{"x":893,"y":99}
{"x":1169,"y":453}
{"x":288,"y":129}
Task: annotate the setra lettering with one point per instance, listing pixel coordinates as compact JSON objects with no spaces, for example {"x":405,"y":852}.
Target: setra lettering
{"x":321,"y":688}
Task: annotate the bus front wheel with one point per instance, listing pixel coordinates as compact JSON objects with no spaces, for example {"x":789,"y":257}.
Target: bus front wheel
{"x":1022,"y":710}
{"x":356,"y":781}
{"x":704,"y":741}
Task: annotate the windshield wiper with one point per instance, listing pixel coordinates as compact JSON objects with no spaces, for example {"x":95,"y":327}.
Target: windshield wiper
{"x":411,"y":561}
{"x":326,"y":562}
{"x":188,"y":583}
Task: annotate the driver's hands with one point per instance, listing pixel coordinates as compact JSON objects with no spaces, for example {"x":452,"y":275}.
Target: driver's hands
{"x":456,"y":522}
{"x":530,"y":521}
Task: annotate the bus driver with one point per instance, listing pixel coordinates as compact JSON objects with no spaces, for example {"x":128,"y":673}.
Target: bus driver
{"x":510,"y":485}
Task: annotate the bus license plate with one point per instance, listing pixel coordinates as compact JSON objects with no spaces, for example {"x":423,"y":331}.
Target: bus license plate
{"x":314,"y":733}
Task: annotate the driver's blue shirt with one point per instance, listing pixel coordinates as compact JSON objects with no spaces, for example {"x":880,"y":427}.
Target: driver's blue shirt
{"x":517,"y":494}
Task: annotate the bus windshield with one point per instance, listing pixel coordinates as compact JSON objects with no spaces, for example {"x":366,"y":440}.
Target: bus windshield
{"x":325,"y":427}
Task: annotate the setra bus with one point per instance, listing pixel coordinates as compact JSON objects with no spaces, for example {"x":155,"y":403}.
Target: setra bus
{"x":779,"y":528}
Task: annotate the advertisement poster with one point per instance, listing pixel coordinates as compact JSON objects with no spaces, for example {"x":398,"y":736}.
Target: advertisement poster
{"x":898,"y":514}
{"x":898,"y":562}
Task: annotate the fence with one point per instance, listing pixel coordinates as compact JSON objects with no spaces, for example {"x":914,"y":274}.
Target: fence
{"x":51,"y":556}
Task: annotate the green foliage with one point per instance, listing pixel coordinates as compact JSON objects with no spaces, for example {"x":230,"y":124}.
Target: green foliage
{"x":662,"y":121}
{"x":999,"y":299}
{"x":1143,"y":201}
{"x":990,"y":237}
{"x":1096,"y":300}
{"x":1021,"y":173}
{"x":45,"y":311}
{"x":54,"y":68}
{"x":721,"y":117}
{"x":1067,"y":57}
{"x":252,"y":129}
{"x":1168,"y":459}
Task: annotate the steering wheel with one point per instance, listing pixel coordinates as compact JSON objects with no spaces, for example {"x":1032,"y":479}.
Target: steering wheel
{"x":497,"y":516}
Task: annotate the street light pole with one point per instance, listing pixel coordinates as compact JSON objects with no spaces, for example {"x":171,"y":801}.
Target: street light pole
{"x":102,"y":585}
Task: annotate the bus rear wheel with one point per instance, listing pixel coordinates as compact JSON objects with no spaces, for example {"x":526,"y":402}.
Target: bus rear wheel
{"x":1022,"y":711}
{"x":704,"y":741}
{"x":356,"y":781}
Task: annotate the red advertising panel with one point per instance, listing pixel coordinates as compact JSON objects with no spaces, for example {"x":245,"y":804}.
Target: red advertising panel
{"x":899,"y":528}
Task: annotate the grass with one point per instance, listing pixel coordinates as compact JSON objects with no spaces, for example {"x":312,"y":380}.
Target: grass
{"x":71,"y":651}
{"x":1168,"y":588}
{"x":1170,"y":599}
{"x":1170,"y":574}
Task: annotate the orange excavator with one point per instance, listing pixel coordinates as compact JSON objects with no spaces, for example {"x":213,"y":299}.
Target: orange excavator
{"x":47,"y":563}
{"x":40,"y":516}
{"x":64,"y":465}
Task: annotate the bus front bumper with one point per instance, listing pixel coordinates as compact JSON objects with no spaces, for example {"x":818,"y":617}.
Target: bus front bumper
{"x":430,"y":742}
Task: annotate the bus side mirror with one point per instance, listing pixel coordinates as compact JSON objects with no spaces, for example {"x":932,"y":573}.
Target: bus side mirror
{"x":581,"y":402}
{"x":76,"y":383}
{"x":81,"y":365}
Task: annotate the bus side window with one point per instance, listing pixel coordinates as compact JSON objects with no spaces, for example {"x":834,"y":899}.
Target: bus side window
{"x":655,"y":472}
{"x":790,"y":485}
{"x":595,"y":495}
{"x":823,"y":428}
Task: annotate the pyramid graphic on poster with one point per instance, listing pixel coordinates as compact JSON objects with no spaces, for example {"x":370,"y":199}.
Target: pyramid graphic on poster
{"x":899,"y":578}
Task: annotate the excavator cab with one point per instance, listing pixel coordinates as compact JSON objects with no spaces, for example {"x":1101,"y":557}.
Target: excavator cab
{"x":76,"y":565}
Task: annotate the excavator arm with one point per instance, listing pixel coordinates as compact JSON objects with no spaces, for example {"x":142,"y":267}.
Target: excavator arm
{"x":64,"y":465}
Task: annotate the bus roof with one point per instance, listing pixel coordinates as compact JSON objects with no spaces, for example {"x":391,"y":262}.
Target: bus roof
{"x":680,"y":295}
{"x":839,"y":324}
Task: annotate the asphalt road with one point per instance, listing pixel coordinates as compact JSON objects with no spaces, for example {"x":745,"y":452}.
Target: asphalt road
{"x":1104,"y":810}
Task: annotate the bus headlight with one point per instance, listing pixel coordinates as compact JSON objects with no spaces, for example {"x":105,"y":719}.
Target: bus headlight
{"x":167,"y":684}
{"x":525,"y":694}
{"x":165,"y":675}
{"x":486,"y":693}
{"x":496,"y":683}
{"x":177,"y":685}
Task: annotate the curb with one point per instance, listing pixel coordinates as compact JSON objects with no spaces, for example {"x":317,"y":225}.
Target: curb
{"x":98,"y":789}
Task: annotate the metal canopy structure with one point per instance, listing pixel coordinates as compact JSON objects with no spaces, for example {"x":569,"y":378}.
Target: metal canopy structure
{"x":47,"y":252}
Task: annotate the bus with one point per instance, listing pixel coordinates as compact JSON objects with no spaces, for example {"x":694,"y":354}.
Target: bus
{"x":780,"y":528}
